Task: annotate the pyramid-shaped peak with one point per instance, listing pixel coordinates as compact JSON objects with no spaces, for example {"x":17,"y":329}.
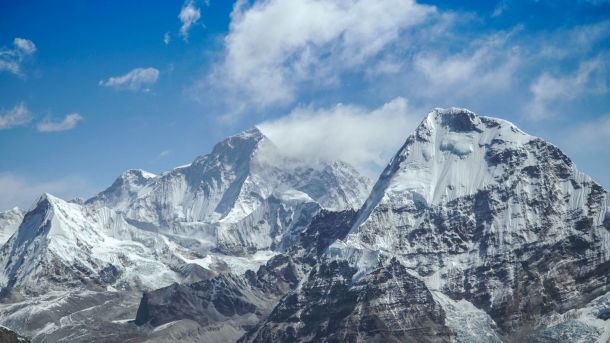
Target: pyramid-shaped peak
{"x":250,"y":135}
{"x":47,"y":198}
{"x":237,"y":146}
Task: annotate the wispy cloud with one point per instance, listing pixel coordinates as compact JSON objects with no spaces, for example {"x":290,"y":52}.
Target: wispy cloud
{"x":482,"y":66}
{"x":365,"y":138}
{"x":11,"y":59}
{"x":17,"y":190}
{"x":16,"y":116}
{"x":166,"y":38}
{"x":500,"y":8}
{"x":135,"y":80}
{"x":548,"y":90}
{"x":68,"y":123}
{"x":189,"y":15}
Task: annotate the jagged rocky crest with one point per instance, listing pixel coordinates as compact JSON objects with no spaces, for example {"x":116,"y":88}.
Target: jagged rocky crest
{"x":474,"y":232}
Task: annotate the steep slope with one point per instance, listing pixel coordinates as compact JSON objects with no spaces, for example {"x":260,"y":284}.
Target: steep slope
{"x":61,"y":245}
{"x":222,"y":308}
{"x":9,"y":336}
{"x":9,"y":223}
{"x":387,"y":305}
{"x":500,"y":226}
{"x":241,"y":198}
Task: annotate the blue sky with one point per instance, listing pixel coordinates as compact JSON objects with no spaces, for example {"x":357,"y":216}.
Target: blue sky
{"x":91,"y":89}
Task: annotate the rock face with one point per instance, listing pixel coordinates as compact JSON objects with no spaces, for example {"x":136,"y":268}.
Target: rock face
{"x":387,"y":305}
{"x":242,"y":301}
{"x":9,"y":336}
{"x":224,"y":306}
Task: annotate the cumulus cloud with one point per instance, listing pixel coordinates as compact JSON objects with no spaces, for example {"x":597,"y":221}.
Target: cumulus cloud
{"x":68,"y":123}
{"x":16,"y":190}
{"x":16,"y":116}
{"x":364,"y":138}
{"x":136,"y":79}
{"x":189,"y":15}
{"x":548,"y":90}
{"x":274,"y":46}
{"x":11,"y":59}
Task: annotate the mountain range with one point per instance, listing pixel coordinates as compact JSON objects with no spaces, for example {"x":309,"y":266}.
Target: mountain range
{"x":474,"y":232}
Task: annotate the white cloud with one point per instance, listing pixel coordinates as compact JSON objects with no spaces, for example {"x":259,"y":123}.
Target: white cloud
{"x":464,"y":73}
{"x":274,"y":46}
{"x":189,"y":15}
{"x":26,"y":46}
{"x":548,"y":90}
{"x":364,"y":138}
{"x":16,"y":190}
{"x":68,"y":123}
{"x":500,"y":8}
{"x":11,"y":60}
{"x":483,"y":66}
{"x":166,"y":38}
{"x":16,"y":116}
{"x":136,"y":79}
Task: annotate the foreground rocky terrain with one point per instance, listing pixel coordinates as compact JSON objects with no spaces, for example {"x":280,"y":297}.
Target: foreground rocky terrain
{"x":474,"y":232}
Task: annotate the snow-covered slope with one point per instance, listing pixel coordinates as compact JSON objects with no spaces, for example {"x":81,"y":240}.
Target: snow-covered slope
{"x":242,"y":197}
{"x":61,"y":245}
{"x":9,"y":223}
{"x":230,"y":210}
{"x":510,"y":188}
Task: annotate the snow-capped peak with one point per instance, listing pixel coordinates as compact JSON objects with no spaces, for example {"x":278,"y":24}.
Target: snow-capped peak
{"x":452,"y":153}
{"x":236,"y":147}
{"x":461,"y":167}
{"x":61,"y":245}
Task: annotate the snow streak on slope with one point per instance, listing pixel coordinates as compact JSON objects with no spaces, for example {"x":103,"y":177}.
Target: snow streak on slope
{"x":456,"y":155}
